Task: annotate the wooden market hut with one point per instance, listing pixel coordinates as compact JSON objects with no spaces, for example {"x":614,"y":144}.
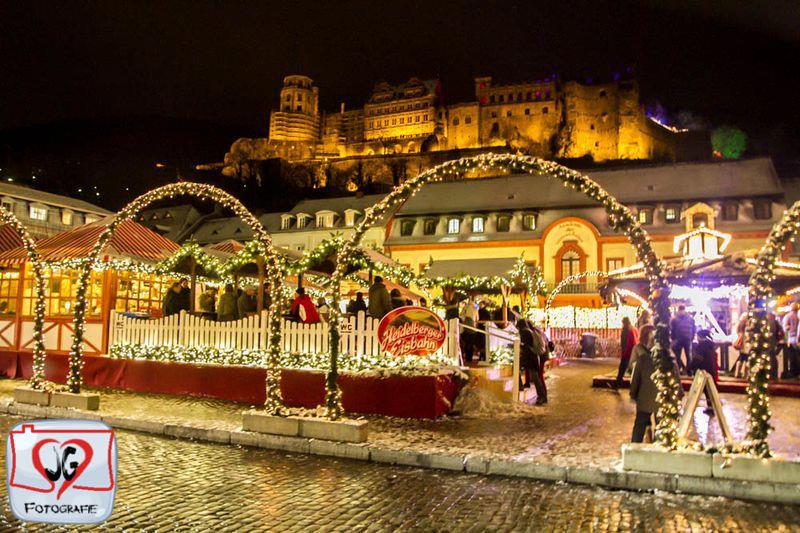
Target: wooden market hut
{"x":122,"y":287}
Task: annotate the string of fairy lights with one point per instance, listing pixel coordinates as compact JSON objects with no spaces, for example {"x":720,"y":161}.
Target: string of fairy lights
{"x":203,"y":192}
{"x":760,"y":330}
{"x":620,"y":218}
{"x":7,"y":218}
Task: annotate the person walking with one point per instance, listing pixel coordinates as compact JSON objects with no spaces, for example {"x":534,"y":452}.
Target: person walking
{"x":356,"y":305}
{"x":544,"y":349}
{"x":227,"y":309}
{"x":627,"y":340}
{"x":380,"y":302}
{"x":682,"y":330}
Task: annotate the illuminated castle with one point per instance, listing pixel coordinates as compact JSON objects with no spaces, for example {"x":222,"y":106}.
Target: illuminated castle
{"x":545,"y":117}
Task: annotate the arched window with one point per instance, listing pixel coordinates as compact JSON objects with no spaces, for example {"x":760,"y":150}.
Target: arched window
{"x":570,"y":263}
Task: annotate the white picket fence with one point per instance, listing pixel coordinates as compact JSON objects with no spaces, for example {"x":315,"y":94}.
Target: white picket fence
{"x":359,"y":334}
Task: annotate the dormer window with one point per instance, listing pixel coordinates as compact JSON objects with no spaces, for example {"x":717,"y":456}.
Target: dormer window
{"x":326,"y":219}
{"x":478,"y":225}
{"x":8,"y":205}
{"x":38,"y":212}
{"x":762,"y":209}
{"x":429,"y":227}
{"x":406,"y":228}
{"x":350,"y":216}
{"x":66,"y":217}
{"x":286,"y":221}
{"x":302,"y":220}
{"x":730,"y":211}
{"x":529,"y":222}
{"x":645,"y":215}
{"x":672,"y":214}
{"x":503,"y":223}
{"x":453,"y":226}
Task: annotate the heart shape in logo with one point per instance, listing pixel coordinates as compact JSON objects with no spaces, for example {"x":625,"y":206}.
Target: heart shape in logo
{"x":68,"y":472}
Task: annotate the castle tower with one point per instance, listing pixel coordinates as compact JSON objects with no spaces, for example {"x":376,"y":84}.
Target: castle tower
{"x":297,"y":118}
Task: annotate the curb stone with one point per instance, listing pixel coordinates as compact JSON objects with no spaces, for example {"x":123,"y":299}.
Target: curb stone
{"x":603,"y":477}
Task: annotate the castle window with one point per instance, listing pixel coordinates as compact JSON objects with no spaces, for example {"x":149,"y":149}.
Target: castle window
{"x":455,"y":121}
{"x":406,"y":228}
{"x":730,"y":211}
{"x":503,"y":223}
{"x":38,"y":213}
{"x":394,"y":122}
{"x":762,"y":209}
{"x":508,"y":113}
{"x":453,"y":226}
{"x":429,"y":228}
{"x":519,"y":97}
{"x":602,"y":94}
{"x":494,"y":114}
{"x":66,"y":217}
{"x":527,"y":110}
{"x":402,"y":120}
{"x":547,"y":95}
{"x":528,"y":96}
{"x":491,"y":99}
{"x":425,"y":117}
{"x":545,"y":110}
{"x":538,"y":95}
{"x":286,"y":221}
{"x":597,"y":144}
{"x":671,"y":214}
{"x":591,"y":127}
{"x":477,"y":225}
{"x":502,"y":98}
{"x":468,"y":120}
{"x":529,"y":222}
{"x":299,"y":97}
{"x":288,"y":97}
{"x":645,"y":215}
{"x":417,"y":119}
{"x":299,"y":107}
{"x":511,"y":97}
{"x":386,"y":122}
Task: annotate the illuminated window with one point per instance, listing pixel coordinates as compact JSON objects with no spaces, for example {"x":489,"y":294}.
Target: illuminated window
{"x":406,"y":228}
{"x":762,"y":209}
{"x":66,"y":217}
{"x":402,"y":120}
{"x":453,"y":226}
{"x":38,"y":213}
{"x":425,"y":117}
{"x":672,"y":214}
{"x":90,"y":218}
{"x":645,"y":215}
{"x":416,"y":119}
{"x":477,"y":225}
{"x":62,"y":287}
{"x":529,"y":222}
{"x":140,"y":292}
{"x":503,"y":223}
{"x":570,"y":264}
{"x":730,"y":211}
{"x":8,"y":205}
{"x":429,"y":228}
{"x":9,"y":288}
{"x":614,"y":263}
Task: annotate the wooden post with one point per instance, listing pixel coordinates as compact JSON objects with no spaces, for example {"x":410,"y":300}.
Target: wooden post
{"x":505,"y":291}
{"x":260,"y":294}
{"x":193,"y":283}
{"x":300,"y":280}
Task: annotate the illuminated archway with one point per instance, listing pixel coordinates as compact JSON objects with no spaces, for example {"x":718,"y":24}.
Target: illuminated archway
{"x":563,"y":283}
{"x":620,"y":219}
{"x":8,"y":219}
{"x":202,"y":192}
{"x":757,"y":332}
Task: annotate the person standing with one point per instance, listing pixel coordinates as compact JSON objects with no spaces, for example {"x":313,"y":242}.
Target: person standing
{"x":323,"y":308}
{"x":543,"y":355}
{"x":681,"y":330}
{"x":356,"y":305}
{"x":228,"y":308}
{"x":208,"y":302}
{"x":397,"y":299}
{"x":380,"y":302}
{"x":644,"y":319}
{"x":185,"y":296}
{"x":530,"y":350}
{"x":643,"y":388}
{"x":627,"y":340}
{"x":705,"y":358}
{"x":172,"y":300}
{"x":791,"y":353}
{"x":246,"y":305}
{"x":303,"y":309}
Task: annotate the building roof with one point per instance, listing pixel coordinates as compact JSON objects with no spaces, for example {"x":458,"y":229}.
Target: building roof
{"x":35,"y":195}
{"x":486,"y":267}
{"x":339,"y":205}
{"x":631,"y":185}
{"x":130,"y":241}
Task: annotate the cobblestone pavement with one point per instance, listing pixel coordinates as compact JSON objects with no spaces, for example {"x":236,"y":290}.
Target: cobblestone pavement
{"x":175,"y":485}
{"x":579,"y":426}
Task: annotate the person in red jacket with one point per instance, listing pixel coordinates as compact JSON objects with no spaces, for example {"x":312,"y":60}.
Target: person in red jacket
{"x":627,"y":340}
{"x":303,"y":309}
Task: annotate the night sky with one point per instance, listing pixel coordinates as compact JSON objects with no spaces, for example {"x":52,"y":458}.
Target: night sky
{"x":222,"y":62}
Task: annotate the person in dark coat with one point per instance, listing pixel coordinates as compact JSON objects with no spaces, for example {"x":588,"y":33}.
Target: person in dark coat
{"x":208,"y":302}
{"x":643,"y":388}
{"x":185,"y":296}
{"x":247,"y":305}
{"x":681,"y":331}
{"x":172,"y":300}
{"x":531,"y":345}
{"x":627,"y":340}
{"x":357,"y":304}
{"x":705,"y":358}
{"x":228,"y":306}
{"x":397,"y":299}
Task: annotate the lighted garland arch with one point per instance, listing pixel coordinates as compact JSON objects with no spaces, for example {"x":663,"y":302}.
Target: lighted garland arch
{"x":563,"y":283}
{"x":620,"y":218}
{"x":8,"y":219}
{"x":757,"y":330}
{"x":201,"y":191}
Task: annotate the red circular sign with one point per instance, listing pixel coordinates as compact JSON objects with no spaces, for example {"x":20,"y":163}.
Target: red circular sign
{"x":411,"y":330}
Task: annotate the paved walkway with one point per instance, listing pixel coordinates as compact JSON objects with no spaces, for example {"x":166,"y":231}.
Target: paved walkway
{"x":581,"y":426}
{"x":178,"y":485}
